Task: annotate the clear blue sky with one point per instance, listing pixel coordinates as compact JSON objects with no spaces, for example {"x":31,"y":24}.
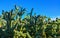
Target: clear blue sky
{"x":50,"y":8}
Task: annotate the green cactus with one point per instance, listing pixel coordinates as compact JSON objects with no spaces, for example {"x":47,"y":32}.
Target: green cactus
{"x":31,"y":26}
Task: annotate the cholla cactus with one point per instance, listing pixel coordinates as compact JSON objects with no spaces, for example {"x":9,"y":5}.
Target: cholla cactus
{"x":32,"y":26}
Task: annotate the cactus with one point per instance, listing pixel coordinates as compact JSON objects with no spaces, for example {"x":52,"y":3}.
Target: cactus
{"x":31,"y":26}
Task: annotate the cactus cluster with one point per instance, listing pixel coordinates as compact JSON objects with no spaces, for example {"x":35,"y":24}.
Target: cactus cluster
{"x":13,"y":25}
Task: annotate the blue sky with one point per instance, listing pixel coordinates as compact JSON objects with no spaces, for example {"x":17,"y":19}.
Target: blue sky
{"x":50,"y":8}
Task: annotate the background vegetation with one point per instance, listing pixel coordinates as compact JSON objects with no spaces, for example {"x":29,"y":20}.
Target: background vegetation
{"x":31,"y":26}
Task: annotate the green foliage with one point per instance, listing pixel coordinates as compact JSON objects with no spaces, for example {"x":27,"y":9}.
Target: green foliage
{"x":31,"y":26}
